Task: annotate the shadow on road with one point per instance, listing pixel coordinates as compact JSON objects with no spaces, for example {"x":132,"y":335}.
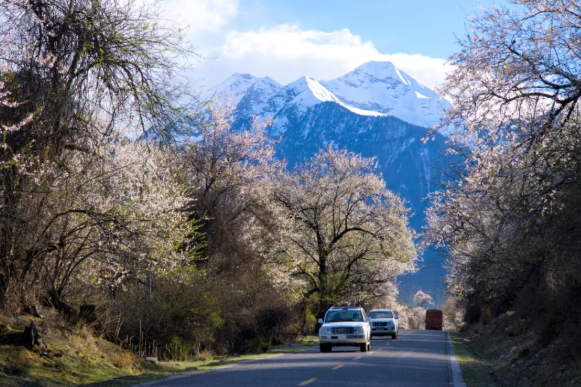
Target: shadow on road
{"x":418,"y":358}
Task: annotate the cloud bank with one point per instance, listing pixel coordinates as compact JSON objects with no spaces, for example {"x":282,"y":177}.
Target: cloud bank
{"x":200,"y":15}
{"x":282,"y":52}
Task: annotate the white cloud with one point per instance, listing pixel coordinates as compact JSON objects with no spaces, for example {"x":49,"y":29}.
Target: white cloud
{"x":287,"y":52}
{"x":200,"y":15}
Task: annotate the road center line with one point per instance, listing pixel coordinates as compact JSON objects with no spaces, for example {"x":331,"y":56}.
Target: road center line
{"x":311,"y":380}
{"x":379,"y":349}
{"x":370,"y":352}
{"x":337,"y":367}
{"x":358,"y":357}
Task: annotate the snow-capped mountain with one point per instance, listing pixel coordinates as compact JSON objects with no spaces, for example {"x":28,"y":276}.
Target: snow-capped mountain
{"x":372,"y":89}
{"x":254,"y":90}
{"x":376,"y":110}
{"x":382,"y":87}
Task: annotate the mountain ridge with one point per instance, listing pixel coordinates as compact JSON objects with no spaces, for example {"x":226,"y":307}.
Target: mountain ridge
{"x":310,"y":115}
{"x":374,"y":88}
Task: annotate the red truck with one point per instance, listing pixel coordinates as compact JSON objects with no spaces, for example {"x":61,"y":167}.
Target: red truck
{"x":434,"y":319}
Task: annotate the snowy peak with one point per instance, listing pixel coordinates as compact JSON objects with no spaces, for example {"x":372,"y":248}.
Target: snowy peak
{"x":239,"y":86}
{"x":386,"y":73}
{"x":307,"y":92}
{"x":372,"y":89}
{"x":382,"y":87}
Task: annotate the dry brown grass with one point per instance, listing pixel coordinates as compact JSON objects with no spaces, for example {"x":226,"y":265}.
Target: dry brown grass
{"x":205,"y":355}
{"x":18,"y":363}
{"x":123,"y":359}
{"x":83,"y":342}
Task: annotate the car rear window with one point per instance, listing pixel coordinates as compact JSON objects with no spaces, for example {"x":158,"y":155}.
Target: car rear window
{"x":344,"y":315}
{"x":385,"y":314}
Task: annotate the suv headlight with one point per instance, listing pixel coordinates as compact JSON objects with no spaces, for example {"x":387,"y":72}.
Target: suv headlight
{"x":325,"y":330}
{"x":358,"y":330}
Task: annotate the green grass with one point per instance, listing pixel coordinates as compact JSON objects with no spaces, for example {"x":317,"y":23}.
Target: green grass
{"x":301,"y":344}
{"x":294,"y":348}
{"x":84,"y":359}
{"x":476,"y":372}
{"x":104,"y":375}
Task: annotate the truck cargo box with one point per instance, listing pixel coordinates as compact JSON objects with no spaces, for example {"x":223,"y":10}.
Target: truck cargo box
{"x":434,"y":319}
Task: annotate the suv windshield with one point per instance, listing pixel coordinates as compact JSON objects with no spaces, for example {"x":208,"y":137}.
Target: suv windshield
{"x":344,"y":315}
{"x":385,"y":314}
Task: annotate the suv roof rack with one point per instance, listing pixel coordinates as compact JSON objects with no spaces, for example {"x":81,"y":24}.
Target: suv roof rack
{"x":346,"y":307}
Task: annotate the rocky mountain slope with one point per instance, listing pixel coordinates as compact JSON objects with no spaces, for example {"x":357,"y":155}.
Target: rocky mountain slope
{"x":376,"y":110}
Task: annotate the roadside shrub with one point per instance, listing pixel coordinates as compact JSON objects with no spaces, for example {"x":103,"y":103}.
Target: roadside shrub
{"x":413,"y":323}
{"x":177,"y":349}
{"x":18,"y":364}
{"x":271,"y":321}
{"x":518,"y":328}
{"x":523,"y":353}
{"x":485,"y":316}
{"x":452,"y":314}
{"x":83,"y":342}
{"x":122,"y":359}
{"x":472,"y":314}
{"x":265,"y":347}
{"x":551,"y":324}
{"x":254,"y":344}
{"x":205,"y":355}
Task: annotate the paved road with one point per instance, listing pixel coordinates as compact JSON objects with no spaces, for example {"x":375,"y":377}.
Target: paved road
{"x":417,"y":358}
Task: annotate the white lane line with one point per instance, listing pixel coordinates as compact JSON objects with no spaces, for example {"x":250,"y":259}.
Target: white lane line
{"x":457,"y":380}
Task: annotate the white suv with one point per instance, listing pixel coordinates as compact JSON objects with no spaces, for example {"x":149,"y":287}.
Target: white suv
{"x":384,"y":323}
{"x":345,"y":326}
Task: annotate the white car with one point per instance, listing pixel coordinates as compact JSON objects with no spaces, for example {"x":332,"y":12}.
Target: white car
{"x":384,"y":323}
{"x":345,"y":326}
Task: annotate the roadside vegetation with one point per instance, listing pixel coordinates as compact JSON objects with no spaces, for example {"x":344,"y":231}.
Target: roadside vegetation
{"x":78,"y":355}
{"x":508,"y":215}
{"x":476,"y":371}
{"x":135,"y":225}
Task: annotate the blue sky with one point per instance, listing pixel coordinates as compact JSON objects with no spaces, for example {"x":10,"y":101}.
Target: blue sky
{"x":285,"y":39}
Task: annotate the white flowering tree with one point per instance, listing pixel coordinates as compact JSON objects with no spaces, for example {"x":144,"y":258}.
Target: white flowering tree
{"x":423,"y":299}
{"x":515,"y":91}
{"x":346,"y":233}
{"x":231,"y":178}
{"x":114,"y":213}
{"x":77,"y":77}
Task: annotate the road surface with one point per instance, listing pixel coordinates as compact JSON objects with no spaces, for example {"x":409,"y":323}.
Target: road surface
{"x":417,"y":358}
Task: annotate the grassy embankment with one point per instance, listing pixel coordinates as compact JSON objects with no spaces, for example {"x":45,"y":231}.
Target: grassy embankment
{"x":506,"y":351}
{"x":476,"y":371}
{"x":74,"y":356}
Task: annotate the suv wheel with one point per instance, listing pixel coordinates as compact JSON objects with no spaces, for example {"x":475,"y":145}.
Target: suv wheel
{"x":364,"y":347}
{"x":394,"y":336}
{"x":325,"y":347}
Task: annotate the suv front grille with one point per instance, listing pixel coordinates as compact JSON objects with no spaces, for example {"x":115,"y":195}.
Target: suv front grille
{"x":341,"y":330}
{"x":379,"y":324}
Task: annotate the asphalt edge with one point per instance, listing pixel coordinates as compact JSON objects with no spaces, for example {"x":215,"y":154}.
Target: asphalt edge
{"x":456,"y":372}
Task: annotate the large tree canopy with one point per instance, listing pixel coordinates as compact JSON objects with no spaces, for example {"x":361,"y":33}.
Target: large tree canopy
{"x":348,"y":235}
{"x":77,"y":201}
{"x":515,"y":92}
